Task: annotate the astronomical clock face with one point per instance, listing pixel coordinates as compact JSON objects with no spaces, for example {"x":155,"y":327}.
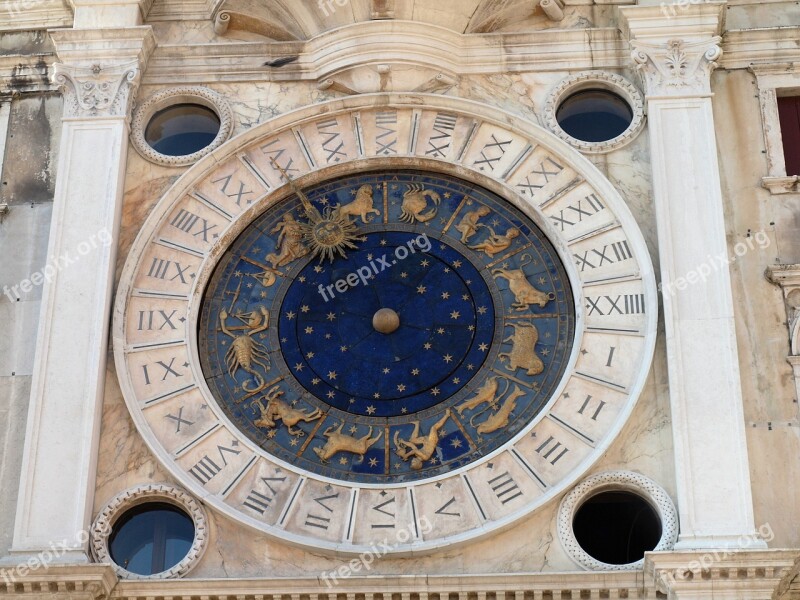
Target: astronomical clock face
{"x":409,"y":326}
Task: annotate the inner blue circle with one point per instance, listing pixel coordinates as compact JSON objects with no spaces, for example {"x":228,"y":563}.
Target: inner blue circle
{"x":446,"y":315}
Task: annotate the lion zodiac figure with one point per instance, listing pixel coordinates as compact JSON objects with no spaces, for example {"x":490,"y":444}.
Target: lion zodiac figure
{"x":415,"y":201}
{"x":362,"y":207}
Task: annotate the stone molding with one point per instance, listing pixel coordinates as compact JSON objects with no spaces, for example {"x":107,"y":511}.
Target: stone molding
{"x":788,"y":277}
{"x":593,"y":80}
{"x":178,"y":95}
{"x":121,"y":503}
{"x":677,"y":68}
{"x":616,"y":481}
{"x":755,"y":575}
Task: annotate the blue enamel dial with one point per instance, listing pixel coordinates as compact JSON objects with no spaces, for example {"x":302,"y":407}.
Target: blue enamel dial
{"x":443,"y":331}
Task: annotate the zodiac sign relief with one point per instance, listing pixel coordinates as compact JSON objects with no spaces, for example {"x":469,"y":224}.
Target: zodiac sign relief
{"x":499,"y":419}
{"x":487,"y":394}
{"x":496,"y":243}
{"x":523,"y":349}
{"x":361,"y":207}
{"x":468,"y":226}
{"x":415,"y":201}
{"x":277,"y":410}
{"x":246,"y":353}
{"x":290,"y":244}
{"x":340,"y":442}
{"x":421,"y":447}
{"x":524,"y":293}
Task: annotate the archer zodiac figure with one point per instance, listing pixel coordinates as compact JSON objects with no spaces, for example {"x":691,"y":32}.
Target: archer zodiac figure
{"x":496,"y":243}
{"x":420,"y":447}
{"x":468,"y":226}
{"x":246,"y":353}
{"x":362,"y":207}
{"x":524,"y":293}
{"x":277,"y":410}
{"x":290,"y":244}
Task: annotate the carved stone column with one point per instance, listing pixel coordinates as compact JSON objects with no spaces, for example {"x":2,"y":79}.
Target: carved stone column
{"x":99,"y":73}
{"x":676,"y":57}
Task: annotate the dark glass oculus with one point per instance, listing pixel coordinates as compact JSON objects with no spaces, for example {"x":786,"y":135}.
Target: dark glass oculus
{"x":594,"y":115}
{"x":182,"y":129}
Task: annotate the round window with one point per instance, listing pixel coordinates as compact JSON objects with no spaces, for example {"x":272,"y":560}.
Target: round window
{"x":151,"y":538}
{"x":617,"y":528}
{"x":182,"y":129}
{"x":594,"y":115}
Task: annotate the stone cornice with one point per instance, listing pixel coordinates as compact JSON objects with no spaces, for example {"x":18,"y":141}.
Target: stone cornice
{"x":692,"y":23}
{"x":26,"y":15}
{"x":26,"y":74}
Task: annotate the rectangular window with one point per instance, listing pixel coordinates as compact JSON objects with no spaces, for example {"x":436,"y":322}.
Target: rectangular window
{"x":789,"y":112}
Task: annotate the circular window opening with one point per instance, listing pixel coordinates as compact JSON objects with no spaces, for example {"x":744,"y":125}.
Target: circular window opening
{"x":617,"y":528}
{"x":594,"y":115}
{"x":151,"y":538}
{"x":182,"y":129}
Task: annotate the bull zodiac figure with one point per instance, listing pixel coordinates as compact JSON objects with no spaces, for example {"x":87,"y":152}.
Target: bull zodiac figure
{"x":246,"y":353}
{"x":362,"y":206}
{"x":415,"y":201}
{"x":495,"y":243}
{"x":277,"y":410}
{"x":420,"y":447}
{"x":523,"y":349}
{"x":524,"y":293}
{"x":290,"y":244}
{"x":340,"y":442}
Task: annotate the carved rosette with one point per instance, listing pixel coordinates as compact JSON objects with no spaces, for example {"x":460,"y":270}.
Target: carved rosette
{"x":677,"y":68}
{"x":96,"y":90}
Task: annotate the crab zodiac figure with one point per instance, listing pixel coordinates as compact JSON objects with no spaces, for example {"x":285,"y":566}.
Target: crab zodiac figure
{"x":415,"y":201}
{"x":421,"y":447}
{"x":496,"y":243}
{"x":246,"y":353}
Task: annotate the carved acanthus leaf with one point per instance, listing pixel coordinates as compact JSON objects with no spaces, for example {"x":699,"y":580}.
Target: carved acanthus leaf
{"x":676,"y":68}
{"x":97,"y":90}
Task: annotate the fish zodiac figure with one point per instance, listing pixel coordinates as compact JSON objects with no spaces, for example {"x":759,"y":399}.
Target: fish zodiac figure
{"x":246,"y":353}
{"x":340,"y":442}
{"x":468,"y":226}
{"x":500,"y":419}
{"x":495,"y":244}
{"x":277,"y":410}
{"x":486,"y":393}
{"x":361,"y":207}
{"x":420,"y":447}
{"x":523,"y":349}
{"x":524,"y":293}
{"x":415,"y":201}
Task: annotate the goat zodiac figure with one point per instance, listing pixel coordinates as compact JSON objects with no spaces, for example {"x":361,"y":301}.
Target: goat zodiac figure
{"x":277,"y":410}
{"x":246,"y":353}
{"x":341,"y":442}
{"x":421,"y":447}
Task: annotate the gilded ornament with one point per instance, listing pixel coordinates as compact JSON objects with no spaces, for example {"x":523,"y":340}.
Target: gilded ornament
{"x":421,"y":447}
{"x":246,"y":353}
{"x":277,"y":410}
{"x":415,"y":201}
{"x":524,"y":293}
{"x":523,"y":349}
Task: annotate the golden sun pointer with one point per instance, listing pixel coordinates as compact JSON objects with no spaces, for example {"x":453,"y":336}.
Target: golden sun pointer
{"x":327,"y":233}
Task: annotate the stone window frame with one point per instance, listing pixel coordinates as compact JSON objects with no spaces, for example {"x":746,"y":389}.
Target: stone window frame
{"x":788,"y":277}
{"x":603,"y":80}
{"x":615,"y":481}
{"x":145,"y":494}
{"x":194,"y":94}
{"x":775,"y":80}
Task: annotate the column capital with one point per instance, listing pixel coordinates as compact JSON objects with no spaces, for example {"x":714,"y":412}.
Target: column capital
{"x":675,"y":48}
{"x":99,"y":71}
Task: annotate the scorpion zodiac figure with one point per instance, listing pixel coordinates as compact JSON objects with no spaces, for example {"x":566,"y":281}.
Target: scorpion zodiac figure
{"x":246,"y":353}
{"x":421,"y":447}
{"x":415,"y":201}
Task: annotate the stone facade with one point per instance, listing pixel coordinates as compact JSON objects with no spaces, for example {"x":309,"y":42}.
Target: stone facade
{"x":716,"y":425}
